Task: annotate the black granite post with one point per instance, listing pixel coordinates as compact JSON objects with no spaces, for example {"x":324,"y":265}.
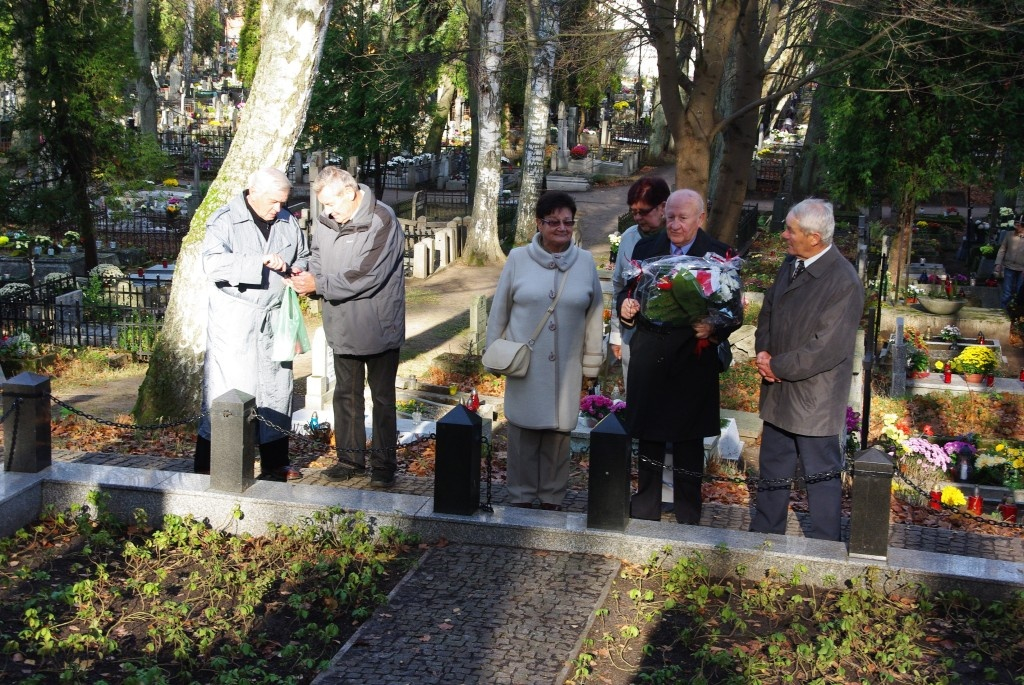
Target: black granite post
{"x":26,"y":404}
{"x":869,"y":515}
{"x":232,"y":442}
{"x":608,"y":489}
{"x":457,"y":463}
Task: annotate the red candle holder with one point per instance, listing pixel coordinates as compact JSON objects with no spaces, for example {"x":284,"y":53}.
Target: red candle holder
{"x":935,"y":500}
{"x":142,"y":272}
{"x":990,"y":380}
{"x":974,"y":504}
{"x":164,"y":263}
{"x":1008,"y":510}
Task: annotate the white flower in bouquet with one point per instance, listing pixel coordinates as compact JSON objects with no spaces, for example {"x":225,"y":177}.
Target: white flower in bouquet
{"x":615,"y":239}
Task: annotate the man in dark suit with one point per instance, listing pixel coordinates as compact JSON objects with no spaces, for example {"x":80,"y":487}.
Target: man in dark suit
{"x":805,"y":340}
{"x":672,"y":389}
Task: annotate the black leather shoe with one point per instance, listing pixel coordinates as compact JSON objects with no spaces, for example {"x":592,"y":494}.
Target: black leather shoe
{"x":382,"y":479}
{"x":342,"y":471}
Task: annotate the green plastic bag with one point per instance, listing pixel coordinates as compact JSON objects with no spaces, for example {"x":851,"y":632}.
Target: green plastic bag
{"x":290,"y":337}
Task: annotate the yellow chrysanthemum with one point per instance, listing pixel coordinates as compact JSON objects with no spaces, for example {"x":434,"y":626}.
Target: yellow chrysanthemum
{"x":952,"y":496}
{"x":1000,"y":447}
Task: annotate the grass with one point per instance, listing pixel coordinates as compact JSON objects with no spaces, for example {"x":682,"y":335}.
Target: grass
{"x":671,"y":621}
{"x":85,"y":599}
{"x":91,"y":367}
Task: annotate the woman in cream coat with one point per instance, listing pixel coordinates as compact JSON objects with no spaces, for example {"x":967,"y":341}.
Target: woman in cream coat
{"x":542,"y":407}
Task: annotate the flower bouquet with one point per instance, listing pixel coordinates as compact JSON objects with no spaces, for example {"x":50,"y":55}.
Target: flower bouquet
{"x":579,"y":151}
{"x":1001,"y":465}
{"x":950,"y":333}
{"x":684,"y":290}
{"x":599,"y":406}
{"x":614,"y":239}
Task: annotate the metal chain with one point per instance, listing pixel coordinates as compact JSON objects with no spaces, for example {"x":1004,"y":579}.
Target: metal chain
{"x":753,"y":483}
{"x":486,"y":506}
{"x":16,"y":406}
{"x":255,"y":416}
{"x":981,"y":519}
{"x":129,"y":426}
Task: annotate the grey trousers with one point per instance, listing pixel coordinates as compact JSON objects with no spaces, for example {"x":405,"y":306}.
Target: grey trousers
{"x":538,"y":465}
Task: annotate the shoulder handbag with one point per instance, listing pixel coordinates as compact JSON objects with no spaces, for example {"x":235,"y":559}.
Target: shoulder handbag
{"x":510,"y":358}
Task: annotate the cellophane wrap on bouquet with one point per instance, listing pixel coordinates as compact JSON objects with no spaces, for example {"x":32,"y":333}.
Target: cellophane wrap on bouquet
{"x":681,"y":290}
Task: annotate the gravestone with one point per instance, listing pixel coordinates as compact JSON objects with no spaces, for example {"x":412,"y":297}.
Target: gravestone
{"x":563,"y":141}
{"x":174,"y":81}
{"x":321,"y":380}
{"x":478,"y":323}
{"x":68,"y":314}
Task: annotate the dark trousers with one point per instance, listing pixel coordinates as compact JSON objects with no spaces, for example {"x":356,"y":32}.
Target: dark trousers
{"x":687,"y":455}
{"x":779,"y":451}
{"x":352,"y":373}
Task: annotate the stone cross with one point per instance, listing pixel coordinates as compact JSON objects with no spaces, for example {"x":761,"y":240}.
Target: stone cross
{"x":321,"y":380}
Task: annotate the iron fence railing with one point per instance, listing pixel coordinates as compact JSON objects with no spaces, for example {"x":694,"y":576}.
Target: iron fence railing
{"x":125,"y":314}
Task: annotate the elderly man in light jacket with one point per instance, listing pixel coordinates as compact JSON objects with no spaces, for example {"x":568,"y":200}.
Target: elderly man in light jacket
{"x":252,"y":244}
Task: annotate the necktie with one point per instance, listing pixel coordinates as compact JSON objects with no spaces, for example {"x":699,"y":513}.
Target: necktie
{"x":799,"y":270}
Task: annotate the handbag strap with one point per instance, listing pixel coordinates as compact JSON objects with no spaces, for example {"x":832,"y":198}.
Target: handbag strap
{"x":547,"y":314}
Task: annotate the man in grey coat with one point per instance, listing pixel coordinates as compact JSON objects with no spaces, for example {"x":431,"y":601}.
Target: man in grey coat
{"x":357,"y":267}
{"x":805,"y":340}
{"x":252,"y":244}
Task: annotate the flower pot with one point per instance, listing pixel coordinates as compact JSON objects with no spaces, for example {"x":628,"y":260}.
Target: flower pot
{"x":941,"y":306}
{"x":918,"y":374}
{"x":588,"y":420}
{"x":974,"y":377}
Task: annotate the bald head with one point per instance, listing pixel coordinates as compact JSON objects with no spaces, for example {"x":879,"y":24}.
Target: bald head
{"x":684,"y":214}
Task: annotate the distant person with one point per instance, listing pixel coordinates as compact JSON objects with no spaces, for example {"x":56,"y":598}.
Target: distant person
{"x":543,"y":406}
{"x":252,"y":245}
{"x":1010,"y":262}
{"x":672,"y":394}
{"x":646,"y":200}
{"x":806,"y":333}
{"x":357,"y":267}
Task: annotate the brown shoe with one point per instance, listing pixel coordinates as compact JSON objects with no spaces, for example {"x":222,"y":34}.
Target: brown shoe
{"x":282,"y":474}
{"x":547,"y":506}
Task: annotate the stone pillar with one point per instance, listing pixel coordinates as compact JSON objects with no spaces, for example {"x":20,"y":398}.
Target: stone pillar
{"x":478,"y":324}
{"x":608,"y":489}
{"x":869,"y":506}
{"x":457,"y":464}
{"x":898,"y":354}
{"x":233,"y":442}
{"x":26,"y":403}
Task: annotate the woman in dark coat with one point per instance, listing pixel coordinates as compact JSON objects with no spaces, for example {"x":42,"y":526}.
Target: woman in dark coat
{"x":672,"y":389}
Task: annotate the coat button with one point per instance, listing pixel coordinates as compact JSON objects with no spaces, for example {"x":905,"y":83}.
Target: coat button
{"x":552,"y":326}
{"x":551,"y":357}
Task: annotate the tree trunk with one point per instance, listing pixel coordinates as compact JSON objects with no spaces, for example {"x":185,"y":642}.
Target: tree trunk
{"x":188,"y":45}
{"x":541,"y":29}
{"x":740,"y":134}
{"x":694,"y":131}
{"x":274,"y":115}
{"x":439,"y":120}
{"x":487,"y":34}
{"x":145,"y":89}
